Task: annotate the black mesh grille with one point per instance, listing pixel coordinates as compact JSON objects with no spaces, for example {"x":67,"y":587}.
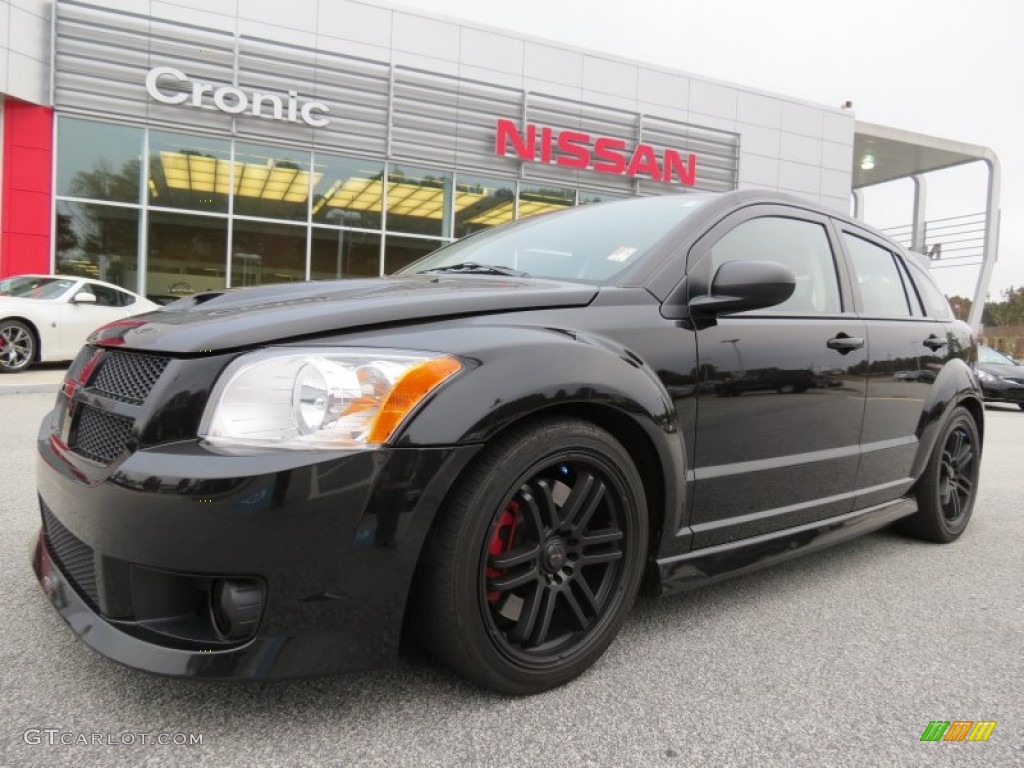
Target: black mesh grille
{"x":128,"y":376}
{"x":74,"y":557}
{"x":100,"y":436}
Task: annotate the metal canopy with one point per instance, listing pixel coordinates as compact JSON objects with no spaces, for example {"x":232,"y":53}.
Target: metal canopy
{"x":901,"y":154}
{"x":882,"y":154}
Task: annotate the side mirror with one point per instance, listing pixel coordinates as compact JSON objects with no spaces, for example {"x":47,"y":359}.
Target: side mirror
{"x":739,"y":286}
{"x":83,"y":297}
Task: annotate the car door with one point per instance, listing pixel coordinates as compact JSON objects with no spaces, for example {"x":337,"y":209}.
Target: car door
{"x":906,"y":350}
{"x":781,"y":390}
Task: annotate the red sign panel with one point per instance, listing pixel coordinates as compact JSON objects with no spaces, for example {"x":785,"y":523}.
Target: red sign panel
{"x":602,"y":154}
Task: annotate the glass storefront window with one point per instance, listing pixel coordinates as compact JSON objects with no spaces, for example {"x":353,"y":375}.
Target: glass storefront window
{"x":284,"y":206}
{"x":588,"y":196}
{"x":480,"y":203}
{"x":348,"y":191}
{"x":192,"y":172}
{"x":337,"y":253}
{"x":99,"y":161}
{"x":534,"y":199}
{"x":186,"y":254}
{"x":400,"y":251}
{"x":272,"y":182}
{"x":100,"y":241}
{"x":263,"y":253}
{"x":419,"y":201}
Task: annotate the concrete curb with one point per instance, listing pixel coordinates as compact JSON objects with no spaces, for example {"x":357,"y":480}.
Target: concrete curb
{"x":26,"y":389}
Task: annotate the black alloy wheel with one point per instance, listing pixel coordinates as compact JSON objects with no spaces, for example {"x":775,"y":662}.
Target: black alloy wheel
{"x":553,"y":559}
{"x":947,"y":489}
{"x":957,"y":474}
{"x":538,"y":559}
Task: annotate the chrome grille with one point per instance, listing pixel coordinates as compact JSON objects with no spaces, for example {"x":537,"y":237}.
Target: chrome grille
{"x":100,"y":436}
{"x":128,"y":376}
{"x":75,"y":557}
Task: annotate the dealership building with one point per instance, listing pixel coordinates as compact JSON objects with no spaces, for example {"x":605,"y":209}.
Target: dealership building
{"x":172,"y":147}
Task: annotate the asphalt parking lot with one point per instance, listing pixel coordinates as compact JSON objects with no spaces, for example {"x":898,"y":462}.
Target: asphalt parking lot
{"x":839,"y":658}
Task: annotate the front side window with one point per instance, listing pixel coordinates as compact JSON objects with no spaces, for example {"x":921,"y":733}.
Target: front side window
{"x":803,"y":246}
{"x":882,"y":291}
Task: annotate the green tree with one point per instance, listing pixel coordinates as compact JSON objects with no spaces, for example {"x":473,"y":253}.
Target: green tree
{"x":1009,"y":311}
{"x":961,"y":307}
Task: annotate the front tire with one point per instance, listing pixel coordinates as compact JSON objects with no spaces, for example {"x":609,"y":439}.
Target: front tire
{"x":948,"y":488}
{"x":537,"y":558}
{"x":17,"y":346}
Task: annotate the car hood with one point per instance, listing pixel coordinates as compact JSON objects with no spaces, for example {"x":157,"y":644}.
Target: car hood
{"x":1012,"y":372}
{"x":247,"y":317}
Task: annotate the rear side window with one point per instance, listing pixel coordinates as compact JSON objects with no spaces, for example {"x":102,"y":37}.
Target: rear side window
{"x":935,"y":303}
{"x":882,"y":290}
{"x":109,"y":297}
{"x":802,"y":246}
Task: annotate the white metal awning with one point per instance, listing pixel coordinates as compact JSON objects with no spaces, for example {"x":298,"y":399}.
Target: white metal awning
{"x":882,"y":154}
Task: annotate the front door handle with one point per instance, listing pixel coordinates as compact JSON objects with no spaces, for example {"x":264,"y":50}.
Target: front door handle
{"x":844,"y":344}
{"x":934,"y":342}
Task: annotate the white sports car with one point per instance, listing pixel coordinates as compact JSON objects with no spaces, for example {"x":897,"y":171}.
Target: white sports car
{"x":46,"y":318}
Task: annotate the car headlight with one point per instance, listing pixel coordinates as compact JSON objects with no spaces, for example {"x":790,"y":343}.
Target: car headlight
{"x":986,"y":376}
{"x":322,"y":398}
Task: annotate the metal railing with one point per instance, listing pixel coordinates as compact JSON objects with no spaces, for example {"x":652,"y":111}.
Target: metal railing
{"x":955,"y":241}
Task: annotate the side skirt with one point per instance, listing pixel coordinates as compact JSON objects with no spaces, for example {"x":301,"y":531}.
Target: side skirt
{"x":706,"y":566}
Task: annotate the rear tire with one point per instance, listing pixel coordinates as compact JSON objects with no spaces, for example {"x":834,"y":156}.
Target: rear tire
{"x":536,"y":559}
{"x":17,"y":346}
{"x":948,"y":488}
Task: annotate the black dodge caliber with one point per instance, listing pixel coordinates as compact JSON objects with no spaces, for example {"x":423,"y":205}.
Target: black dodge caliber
{"x":494,"y":449}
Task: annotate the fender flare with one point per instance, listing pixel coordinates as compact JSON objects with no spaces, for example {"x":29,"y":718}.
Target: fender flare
{"x":955,"y":385}
{"x":541,"y":370}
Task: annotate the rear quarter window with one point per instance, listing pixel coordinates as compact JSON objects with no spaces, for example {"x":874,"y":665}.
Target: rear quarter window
{"x":935,"y":303}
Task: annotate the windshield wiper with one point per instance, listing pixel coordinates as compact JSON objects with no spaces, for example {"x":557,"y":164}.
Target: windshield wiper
{"x":471,"y":267}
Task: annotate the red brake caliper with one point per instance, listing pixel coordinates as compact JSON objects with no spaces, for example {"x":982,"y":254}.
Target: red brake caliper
{"x":504,"y":535}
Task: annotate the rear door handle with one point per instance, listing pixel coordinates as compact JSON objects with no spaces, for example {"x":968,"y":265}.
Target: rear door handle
{"x":844,"y":344}
{"x":935,"y":342}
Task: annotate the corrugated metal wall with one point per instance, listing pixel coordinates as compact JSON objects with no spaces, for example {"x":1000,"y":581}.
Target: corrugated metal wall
{"x":376,"y":109}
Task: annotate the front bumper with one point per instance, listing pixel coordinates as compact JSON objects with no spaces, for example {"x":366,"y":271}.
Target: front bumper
{"x":128,"y":555}
{"x":1003,"y":391}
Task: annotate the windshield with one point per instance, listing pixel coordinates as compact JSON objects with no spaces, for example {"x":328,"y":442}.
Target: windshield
{"x":991,"y":357}
{"x":35,"y":287}
{"x":592,"y":243}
